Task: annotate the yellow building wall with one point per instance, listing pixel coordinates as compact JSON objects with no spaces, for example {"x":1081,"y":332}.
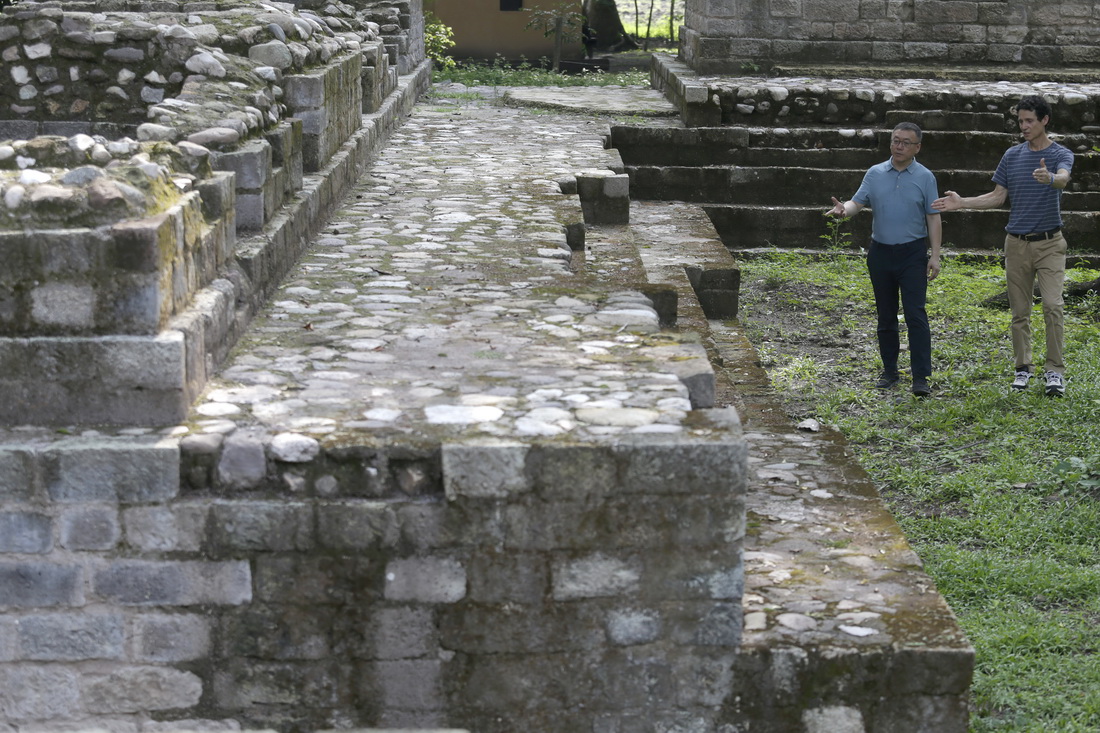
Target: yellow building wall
{"x":483,"y":31}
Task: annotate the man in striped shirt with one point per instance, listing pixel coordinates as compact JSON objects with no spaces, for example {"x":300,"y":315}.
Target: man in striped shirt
{"x":1031,"y":175}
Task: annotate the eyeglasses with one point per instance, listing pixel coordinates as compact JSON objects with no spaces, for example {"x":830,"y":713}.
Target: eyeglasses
{"x":902,"y":143}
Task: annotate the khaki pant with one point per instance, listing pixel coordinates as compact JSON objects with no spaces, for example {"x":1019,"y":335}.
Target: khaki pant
{"x":1024,"y":261}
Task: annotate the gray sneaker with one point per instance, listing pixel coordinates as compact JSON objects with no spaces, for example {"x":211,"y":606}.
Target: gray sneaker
{"x":1056,"y":384}
{"x":1023,"y":376}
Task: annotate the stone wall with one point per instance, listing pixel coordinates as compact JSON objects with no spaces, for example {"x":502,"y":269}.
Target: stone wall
{"x":723,"y":36}
{"x":139,"y":239}
{"x":495,"y":586}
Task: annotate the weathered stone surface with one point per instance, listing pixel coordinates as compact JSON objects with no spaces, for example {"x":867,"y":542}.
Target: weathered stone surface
{"x":71,"y":638}
{"x":142,"y":688}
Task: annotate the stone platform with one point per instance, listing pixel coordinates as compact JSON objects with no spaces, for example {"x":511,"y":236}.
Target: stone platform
{"x":475,"y":466}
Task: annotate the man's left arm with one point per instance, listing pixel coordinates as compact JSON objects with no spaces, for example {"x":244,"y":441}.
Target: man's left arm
{"x":1061,"y":179}
{"x":935,"y":236}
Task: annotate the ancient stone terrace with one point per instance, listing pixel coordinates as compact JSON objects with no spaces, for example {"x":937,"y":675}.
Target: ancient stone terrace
{"x":764,"y":155}
{"x":383,"y":414}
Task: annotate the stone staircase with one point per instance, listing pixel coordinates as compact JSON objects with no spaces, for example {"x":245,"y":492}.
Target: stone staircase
{"x":765,"y":176}
{"x":766,"y":187}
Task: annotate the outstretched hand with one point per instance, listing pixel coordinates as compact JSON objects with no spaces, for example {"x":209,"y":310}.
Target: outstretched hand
{"x":1042,"y":174}
{"x":950,"y":201}
{"x":838,"y":208}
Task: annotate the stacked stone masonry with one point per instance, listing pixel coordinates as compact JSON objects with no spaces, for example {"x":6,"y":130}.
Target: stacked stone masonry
{"x":722,"y":37}
{"x":137,"y":582}
{"x":979,"y":105}
{"x":121,"y":223}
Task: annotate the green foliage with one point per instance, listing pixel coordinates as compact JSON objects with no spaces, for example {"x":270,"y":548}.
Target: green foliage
{"x":999,"y":492}
{"x":437,"y":39}
{"x":1079,"y":474}
{"x":525,"y":74}
{"x":546,"y":20}
{"x":835,"y":235}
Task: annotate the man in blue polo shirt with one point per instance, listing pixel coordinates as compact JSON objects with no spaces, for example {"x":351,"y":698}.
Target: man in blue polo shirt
{"x":1031,"y":175}
{"x":900,"y":192}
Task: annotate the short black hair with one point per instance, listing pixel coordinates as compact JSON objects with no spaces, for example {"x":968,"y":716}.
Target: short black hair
{"x":911,"y":127}
{"x":1036,"y":104}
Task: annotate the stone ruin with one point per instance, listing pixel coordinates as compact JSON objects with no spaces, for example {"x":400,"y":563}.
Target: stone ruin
{"x":730,"y":36}
{"x":162,"y":167}
{"x":142,"y":145}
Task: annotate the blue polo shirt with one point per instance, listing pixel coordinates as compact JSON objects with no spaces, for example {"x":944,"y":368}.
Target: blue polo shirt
{"x":899,"y":201}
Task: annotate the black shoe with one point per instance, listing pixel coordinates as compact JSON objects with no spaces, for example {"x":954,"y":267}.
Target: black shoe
{"x":920,"y":387}
{"x":886,"y":381}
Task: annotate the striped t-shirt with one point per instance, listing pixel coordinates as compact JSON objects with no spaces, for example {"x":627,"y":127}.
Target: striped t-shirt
{"x":1036,"y":207}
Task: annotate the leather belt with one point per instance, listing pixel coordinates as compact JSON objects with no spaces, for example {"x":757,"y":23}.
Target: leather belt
{"x":1038,"y":236}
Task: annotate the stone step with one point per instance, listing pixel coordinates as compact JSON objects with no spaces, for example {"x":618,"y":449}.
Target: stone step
{"x":778,"y":186}
{"x":745,"y":227}
{"x":819,"y":147}
{"x":942,"y":120}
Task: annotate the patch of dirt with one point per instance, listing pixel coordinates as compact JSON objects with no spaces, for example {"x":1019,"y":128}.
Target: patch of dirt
{"x":790,"y":320}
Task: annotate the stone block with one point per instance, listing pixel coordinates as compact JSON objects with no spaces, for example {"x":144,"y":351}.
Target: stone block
{"x":277,"y":632}
{"x":596,"y":576}
{"x":248,"y":684}
{"x":425,"y":580}
{"x":498,"y":577}
{"x":632,"y":627}
{"x":315,"y":123}
{"x":625,"y":522}
{"x":169,"y":583}
{"x":18,"y":129}
{"x":171,"y":638}
{"x":25,"y":532}
{"x":250,"y":210}
{"x":681,"y":467}
{"x":402,"y":632}
{"x":63,"y":305}
{"x":359,"y":525}
{"x":217,"y":194}
{"x":66,"y":128}
{"x":30,"y":585}
{"x":549,"y":628}
{"x":175,"y":528}
{"x":483,"y":470}
{"x":305,"y":91}
{"x":34,"y":693}
{"x":925,"y":50}
{"x":17,"y":474}
{"x":142,"y":245}
{"x":317,"y":580}
{"x":260,"y":526}
{"x":140,"y":689}
{"x":412,"y":684}
{"x":251,"y":163}
{"x":68,"y":637}
{"x":104,"y":470}
{"x":90,"y":528}
{"x":243,"y":461}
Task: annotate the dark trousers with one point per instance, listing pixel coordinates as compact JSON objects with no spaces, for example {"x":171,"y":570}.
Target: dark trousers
{"x":901,"y":268}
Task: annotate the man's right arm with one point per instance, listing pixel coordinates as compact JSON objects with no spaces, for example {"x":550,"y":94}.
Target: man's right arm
{"x":844,"y":208}
{"x":952,"y":201}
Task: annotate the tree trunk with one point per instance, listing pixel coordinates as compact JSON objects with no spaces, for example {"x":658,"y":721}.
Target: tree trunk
{"x":559,"y":39}
{"x":603,"y":19}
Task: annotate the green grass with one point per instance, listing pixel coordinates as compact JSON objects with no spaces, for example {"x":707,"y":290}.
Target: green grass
{"x":527,"y":74}
{"x":996,"y":491}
